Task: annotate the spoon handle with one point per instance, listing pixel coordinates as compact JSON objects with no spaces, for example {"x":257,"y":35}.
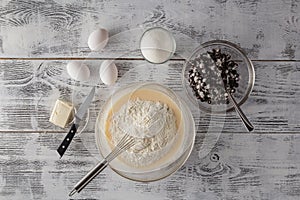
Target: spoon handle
{"x":243,"y":117}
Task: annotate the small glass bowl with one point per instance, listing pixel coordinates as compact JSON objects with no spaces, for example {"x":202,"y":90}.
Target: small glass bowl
{"x":245,"y":70}
{"x":175,"y":156}
{"x":151,"y":49}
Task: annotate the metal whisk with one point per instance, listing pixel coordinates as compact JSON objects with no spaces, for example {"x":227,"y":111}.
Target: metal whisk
{"x":125,"y":143}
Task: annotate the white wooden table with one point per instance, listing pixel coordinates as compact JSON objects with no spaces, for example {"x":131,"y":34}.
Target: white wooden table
{"x":38,"y":38}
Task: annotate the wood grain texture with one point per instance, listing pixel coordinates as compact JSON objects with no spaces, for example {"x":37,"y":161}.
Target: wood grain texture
{"x":265,"y":29}
{"x":30,"y":89}
{"x":38,"y":38}
{"x":241,"y":166}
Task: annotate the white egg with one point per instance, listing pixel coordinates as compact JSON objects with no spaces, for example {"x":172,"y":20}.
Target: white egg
{"x":78,"y":71}
{"x":98,"y":39}
{"x":108,"y":72}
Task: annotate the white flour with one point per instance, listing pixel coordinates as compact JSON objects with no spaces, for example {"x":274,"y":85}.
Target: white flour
{"x":153,"y":124}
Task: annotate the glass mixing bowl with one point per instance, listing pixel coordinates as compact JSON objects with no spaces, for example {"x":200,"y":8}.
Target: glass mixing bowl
{"x":177,"y":152}
{"x":245,"y":70}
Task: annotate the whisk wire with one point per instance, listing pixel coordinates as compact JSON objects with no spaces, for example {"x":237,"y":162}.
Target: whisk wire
{"x":125,"y":143}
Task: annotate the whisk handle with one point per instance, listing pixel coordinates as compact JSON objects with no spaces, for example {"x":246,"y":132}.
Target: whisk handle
{"x":89,"y":177}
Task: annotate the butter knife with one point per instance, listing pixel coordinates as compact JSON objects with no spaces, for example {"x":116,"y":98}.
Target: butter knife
{"x":78,"y":117}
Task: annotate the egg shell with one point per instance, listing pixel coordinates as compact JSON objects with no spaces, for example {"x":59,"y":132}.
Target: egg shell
{"x":78,"y":71}
{"x":98,"y":39}
{"x":108,"y":72}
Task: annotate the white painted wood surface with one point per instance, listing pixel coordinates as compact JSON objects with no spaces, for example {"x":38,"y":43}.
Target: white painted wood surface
{"x":246,"y":169}
{"x":265,"y":29}
{"x":38,"y":38}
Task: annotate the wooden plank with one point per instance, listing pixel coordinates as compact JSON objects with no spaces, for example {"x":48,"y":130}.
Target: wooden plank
{"x":240,"y":166}
{"x":29,"y":90}
{"x":265,"y":29}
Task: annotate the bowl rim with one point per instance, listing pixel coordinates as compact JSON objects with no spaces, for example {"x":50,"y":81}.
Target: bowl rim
{"x":250,"y":66}
{"x":191,"y":147}
{"x":188,"y":149}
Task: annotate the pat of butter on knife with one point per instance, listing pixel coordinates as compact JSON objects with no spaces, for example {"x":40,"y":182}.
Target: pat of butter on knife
{"x":62,"y":113}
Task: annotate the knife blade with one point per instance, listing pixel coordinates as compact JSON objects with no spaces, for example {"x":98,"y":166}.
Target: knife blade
{"x":78,"y":116}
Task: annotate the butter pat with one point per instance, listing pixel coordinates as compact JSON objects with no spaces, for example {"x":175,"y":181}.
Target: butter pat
{"x":62,"y":113}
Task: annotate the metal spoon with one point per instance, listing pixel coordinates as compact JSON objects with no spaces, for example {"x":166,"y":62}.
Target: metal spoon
{"x":241,"y":114}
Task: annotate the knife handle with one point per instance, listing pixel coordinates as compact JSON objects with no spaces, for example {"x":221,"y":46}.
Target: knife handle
{"x":66,"y":142}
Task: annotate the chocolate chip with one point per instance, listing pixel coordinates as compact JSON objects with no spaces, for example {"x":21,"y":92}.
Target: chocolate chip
{"x":204,"y":66}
